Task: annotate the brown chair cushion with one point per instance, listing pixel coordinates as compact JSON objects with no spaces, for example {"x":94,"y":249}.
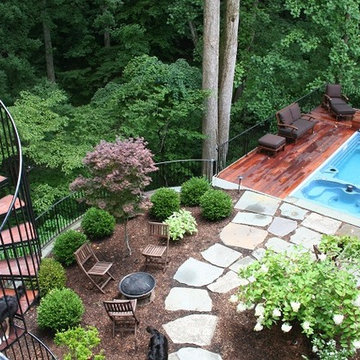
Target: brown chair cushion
{"x":295,"y":111}
{"x":272,"y":141}
{"x":342,"y":109}
{"x":302,"y":125}
{"x":333,"y":90}
{"x":285,"y":116}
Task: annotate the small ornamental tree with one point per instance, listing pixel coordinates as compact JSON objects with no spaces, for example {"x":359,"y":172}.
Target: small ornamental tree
{"x":118,"y":174}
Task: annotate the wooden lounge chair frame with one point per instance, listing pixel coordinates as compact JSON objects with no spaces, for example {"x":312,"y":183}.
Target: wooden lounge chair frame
{"x":98,"y":273}
{"x":122,"y":313}
{"x":157,"y":255}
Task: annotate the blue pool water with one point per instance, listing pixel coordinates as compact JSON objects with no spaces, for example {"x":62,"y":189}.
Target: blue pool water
{"x":336,"y":184}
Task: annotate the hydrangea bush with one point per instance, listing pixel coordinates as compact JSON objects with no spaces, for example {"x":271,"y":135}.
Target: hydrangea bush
{"x":321,"y":297}
{"x":181,"y":223}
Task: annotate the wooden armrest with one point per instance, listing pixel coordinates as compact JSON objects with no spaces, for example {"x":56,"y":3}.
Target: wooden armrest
{"x":345,"y":98}
{"x":309,"y":116}
{"x":327,"y":97}
{"x":289,"y":126}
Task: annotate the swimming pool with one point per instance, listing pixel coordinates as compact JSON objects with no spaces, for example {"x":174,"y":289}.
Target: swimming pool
{"x":336,"y":184}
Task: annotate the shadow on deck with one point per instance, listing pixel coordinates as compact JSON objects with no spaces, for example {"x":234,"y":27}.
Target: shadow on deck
{"x":280,"y":174}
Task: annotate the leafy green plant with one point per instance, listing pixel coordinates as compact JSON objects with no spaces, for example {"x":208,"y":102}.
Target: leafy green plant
{"x":192,"y":190}
{"x":80,"y":343}
{"x":60,"y":309}
{"x":293,"y":287}
{"x":216,"y":205}
{"x":180,"y":223}
{"x":52,"y":275}
{"x":66,"y":244}
{"x":97,"y":223}
{"x":165,"y":201}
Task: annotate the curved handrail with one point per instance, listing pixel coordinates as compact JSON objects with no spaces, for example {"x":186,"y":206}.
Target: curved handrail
{"x":49,"y":352}
{"x":19,"y":149}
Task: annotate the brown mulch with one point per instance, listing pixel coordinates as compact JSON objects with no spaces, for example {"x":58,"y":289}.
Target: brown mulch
{"x":234,"y":337}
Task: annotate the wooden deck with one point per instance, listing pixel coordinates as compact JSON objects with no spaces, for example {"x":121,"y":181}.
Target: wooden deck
{"x":280,"y":174}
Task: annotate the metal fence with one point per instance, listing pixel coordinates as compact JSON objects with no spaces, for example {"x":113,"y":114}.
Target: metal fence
{"x":69,"y":209}
{"x":247,"y":140}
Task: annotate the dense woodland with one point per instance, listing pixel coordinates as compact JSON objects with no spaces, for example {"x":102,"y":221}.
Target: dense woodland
{"x":75,"y":72}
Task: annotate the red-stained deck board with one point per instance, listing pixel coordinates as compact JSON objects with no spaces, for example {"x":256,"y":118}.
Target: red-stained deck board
{"x":17,"y":234}
{"x":280,"y":174}
{"x":25,"y":266}
{"x":6,"y":201}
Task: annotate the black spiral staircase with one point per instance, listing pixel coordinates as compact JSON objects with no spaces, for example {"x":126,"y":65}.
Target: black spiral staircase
{"x":20,"y":251}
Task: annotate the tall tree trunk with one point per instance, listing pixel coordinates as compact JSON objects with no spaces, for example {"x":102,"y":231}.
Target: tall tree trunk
{"x":49,"y":59}
{"x":211,"y":76}
{"x":107,"y":42}
{"x":194,"y":34}
{"x":227,"y":71}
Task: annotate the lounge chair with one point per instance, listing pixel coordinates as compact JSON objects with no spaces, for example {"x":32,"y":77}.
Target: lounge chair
{"x":337,"y":103}
{"x":292,"y":124}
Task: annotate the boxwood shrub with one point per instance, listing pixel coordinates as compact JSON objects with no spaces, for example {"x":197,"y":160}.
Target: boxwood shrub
{"x":165,"y":201}
{"x":216,"y":205}
{"x":52,"y":275}
{"x":66,"y":244}
{"x":60,"y":310}
{"x":193,"y":189}
{"x":97,"y":224}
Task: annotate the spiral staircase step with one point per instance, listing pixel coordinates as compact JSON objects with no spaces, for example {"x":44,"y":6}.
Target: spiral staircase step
{"x":17,"y":234}
{"x":25,"y":266}
{"x":25,"y":301}
{"x":6,"y":201}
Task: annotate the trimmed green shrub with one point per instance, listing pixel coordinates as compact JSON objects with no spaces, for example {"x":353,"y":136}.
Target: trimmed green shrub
{"x":192,"y":190}
{"x":80,"y":343}
{"x":97,"y":223}
{"x":52,"y":275}
{"x":66,"y":244}
{"x":216,"y":205}
{"x":180,"y":223}
{"x":60,"y":310}
{"x":165,"y":201}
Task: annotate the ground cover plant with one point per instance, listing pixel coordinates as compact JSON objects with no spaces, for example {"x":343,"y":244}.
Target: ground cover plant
{"x":181,"y":223}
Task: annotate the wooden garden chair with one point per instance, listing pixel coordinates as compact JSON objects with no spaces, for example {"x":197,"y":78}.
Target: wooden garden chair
{"x":122,"y":314}
{"x":157,"y":254}
{"x":97,"y":271}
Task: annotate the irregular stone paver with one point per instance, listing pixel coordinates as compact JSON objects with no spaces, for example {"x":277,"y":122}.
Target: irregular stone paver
{"x":306,"y":237}
{"x":173,"y":356}
{"x":259,"y":253}
{"x":243,"y":236}
{"x":321,"y":223}
{"x":225,"y":283}
{"x":248,"y":218}
{"x":278,"y":245}
{"x":197,"y":273}
{"x":292,"y":211}
{"x":347,"y":229}
{"x":258,"y":203}
{"x":190,"y":353}
{"x":281,"y":227}
{"x":180,"y":298}
{"x":242,"y":263}
{"x":192,"y":329}
{"x":220,"y":255}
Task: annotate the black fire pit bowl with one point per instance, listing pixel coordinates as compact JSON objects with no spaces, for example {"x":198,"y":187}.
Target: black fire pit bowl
{"x":137,"y":285}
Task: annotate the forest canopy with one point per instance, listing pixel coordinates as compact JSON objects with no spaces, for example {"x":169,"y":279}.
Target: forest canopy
{"x":91,"y":70}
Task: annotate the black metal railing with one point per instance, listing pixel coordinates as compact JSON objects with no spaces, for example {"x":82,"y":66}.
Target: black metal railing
{"x":242,"y":143}
{"x":20,"y":250}
{"x":60,"y":216}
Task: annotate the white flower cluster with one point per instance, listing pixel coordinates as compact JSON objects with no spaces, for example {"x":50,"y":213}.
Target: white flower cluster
{"x":295,"y":306}
{"x":286,"y":327}
{"x":338,"y":319}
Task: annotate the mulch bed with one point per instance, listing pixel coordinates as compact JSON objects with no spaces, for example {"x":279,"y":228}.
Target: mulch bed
{"x":234,"y":337}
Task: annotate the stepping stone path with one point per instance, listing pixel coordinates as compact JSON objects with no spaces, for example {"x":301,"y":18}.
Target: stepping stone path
{"x":220,"y":255}
{"x":252,"y":219}
{"x":257,"y":203}
{"x":190,"y":353}
{"x":242,"y":236}
{"x":192,"y":329}
{"x":225,"y":283}
{"x":188,"y":299}
{"x":282,"y":227}
{"x":252,"y":229}
{"x":197,"y":273}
